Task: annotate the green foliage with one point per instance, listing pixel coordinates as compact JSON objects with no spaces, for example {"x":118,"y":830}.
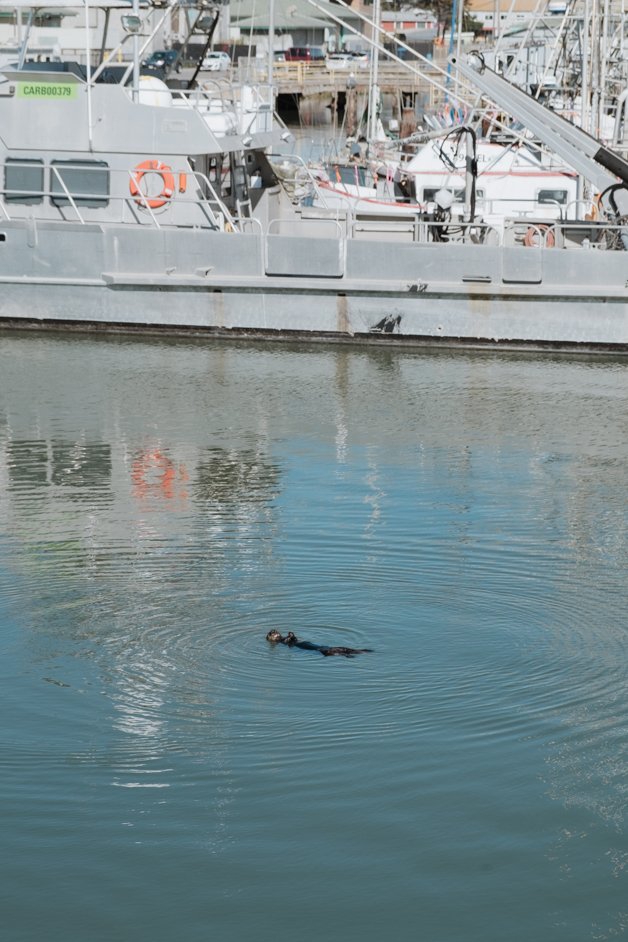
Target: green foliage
{"x":470,"y":24}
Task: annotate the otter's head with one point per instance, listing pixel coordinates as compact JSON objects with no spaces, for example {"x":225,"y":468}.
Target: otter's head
{"x":274,"y":636}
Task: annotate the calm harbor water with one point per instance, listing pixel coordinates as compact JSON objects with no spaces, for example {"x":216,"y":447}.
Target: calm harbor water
{"x":167,"y":774}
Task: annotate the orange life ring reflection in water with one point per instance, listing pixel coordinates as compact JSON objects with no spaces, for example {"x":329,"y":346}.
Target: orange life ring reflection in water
{"x":156,"y":475}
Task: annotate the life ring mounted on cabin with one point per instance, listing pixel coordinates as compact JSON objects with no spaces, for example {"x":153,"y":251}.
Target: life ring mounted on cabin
{"x":167,"y":187}
{"x":541,"y":236}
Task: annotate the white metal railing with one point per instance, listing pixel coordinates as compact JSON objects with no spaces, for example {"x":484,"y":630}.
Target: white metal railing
{"x":584,"y":209}
{"x":201,"y":206}
{"x":587,"y":234}
{"x":305,"y":224}
{"x":70,"y":198}
{"x":199,"y":202}
{"x":246,"y":105}
{"x":212,"y":209}
{"x":304,"y":176}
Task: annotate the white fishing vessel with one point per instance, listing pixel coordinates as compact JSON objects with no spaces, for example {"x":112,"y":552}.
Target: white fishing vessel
{"x":464,"y":160}
{"x":508,"y":180}
{"x":124,"y":211}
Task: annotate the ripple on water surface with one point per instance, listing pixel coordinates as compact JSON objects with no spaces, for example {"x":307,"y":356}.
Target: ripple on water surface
{"x":459,"y":516}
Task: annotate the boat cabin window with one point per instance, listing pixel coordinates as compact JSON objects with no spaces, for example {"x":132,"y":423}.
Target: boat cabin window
{"x":354,"y":175}
{"x":429,"y":193}
{"x":23,"y":181}
{"x":552,"y":196}
{"x":86,"y":181}
{"x":48,"y":18}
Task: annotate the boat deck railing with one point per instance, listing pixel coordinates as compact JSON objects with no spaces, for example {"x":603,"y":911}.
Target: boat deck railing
{"x":187,"y":198}
{"x":425,"y":228}
{"x":250,"y":107}
{"x":547,"y":225}
{"x":191,"y":200}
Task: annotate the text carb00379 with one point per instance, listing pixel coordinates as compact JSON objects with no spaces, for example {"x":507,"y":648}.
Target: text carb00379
{"x":55,"y":90}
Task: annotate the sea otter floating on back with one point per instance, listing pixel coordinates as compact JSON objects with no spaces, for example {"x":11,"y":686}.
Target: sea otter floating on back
{"x":275,"y":637}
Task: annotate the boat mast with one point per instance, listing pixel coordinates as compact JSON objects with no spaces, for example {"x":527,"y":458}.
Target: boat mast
{"x":88,"y":74}
{"x":136,"y":54}
{"x":271,"y":41}
{"x":24,"y":37}
{"x":595,"y":68}
{"x":374,"y":89}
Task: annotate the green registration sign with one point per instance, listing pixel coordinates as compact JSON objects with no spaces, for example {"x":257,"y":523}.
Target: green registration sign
{"x":52,"y":91}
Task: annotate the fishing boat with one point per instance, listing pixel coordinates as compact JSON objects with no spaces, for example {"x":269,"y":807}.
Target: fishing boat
{"x":511,"y":179}
{"x":469,"y":160}
{"x":158,"y":209}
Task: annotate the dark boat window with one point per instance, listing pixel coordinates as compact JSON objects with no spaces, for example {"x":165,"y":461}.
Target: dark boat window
{"x":87,"y":182}
{"x":552,"y":196}
{"x":353,"y":175}
{"x":429,"y":193}
{"x":23,"y":181}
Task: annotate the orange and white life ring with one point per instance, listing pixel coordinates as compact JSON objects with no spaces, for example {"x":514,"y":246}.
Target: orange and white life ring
{"x":168,"y":184}
{"x":541,"y":235}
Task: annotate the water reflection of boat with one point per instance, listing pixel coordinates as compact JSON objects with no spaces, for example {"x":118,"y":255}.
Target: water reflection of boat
{"x":131,"y":212}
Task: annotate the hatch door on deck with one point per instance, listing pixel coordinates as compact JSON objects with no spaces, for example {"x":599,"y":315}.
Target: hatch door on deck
{"x":310,"y":248}
{"x":522,"y":265}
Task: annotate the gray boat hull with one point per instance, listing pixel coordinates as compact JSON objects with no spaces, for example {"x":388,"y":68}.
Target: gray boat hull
{"x":229,"y":283}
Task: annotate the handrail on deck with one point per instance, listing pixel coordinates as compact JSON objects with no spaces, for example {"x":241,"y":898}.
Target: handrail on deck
{"x":204,"y":197}
{"x":67,"y":193}
{"x":295,"y":159}
{"x":560,"y":233}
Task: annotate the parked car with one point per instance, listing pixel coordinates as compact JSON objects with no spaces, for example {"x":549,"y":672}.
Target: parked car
{"x":163,"y":60}
{"x":305,"y":54}
{"x":216,"y":62}
{"x":347,"y":60}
